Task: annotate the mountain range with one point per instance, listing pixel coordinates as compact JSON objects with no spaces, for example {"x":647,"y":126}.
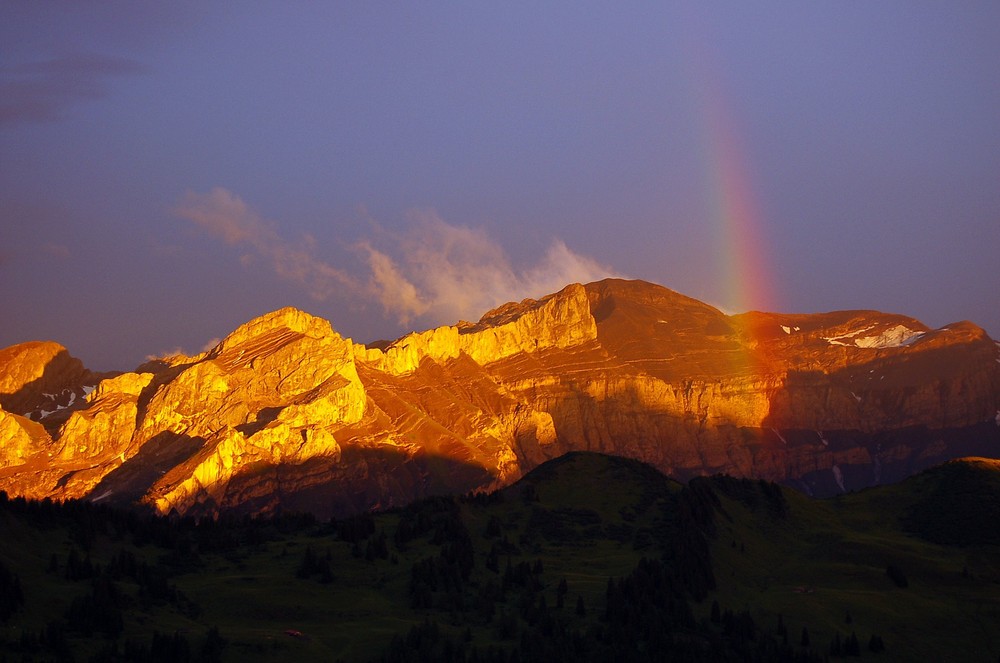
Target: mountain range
{"x":285,"y":414}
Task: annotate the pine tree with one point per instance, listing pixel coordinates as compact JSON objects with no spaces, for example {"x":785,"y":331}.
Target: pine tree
{"x":896,"y":575}
{"x":211,"y":648}
{"x":493,"y":528}
{"x":308,"y":564}
{"x":493,"y":559}
{"x":11,"y":594}
{"x":852,"y":647}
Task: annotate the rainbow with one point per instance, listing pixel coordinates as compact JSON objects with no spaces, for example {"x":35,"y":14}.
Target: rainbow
{"x":736,"y":222}
{"x":734,"y":213}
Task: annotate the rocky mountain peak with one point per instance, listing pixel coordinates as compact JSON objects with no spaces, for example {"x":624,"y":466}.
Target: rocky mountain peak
{"x":560,"y":320}
{"x":285,"y":413}
{"x":288,"y":319}
{"x":40,"y":378}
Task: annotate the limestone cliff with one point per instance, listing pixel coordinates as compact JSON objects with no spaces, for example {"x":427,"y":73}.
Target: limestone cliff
{"x":22,"y":439}
{"x":39,"y":378}
{"x":561,"y":320}
{"x":284,"y":413}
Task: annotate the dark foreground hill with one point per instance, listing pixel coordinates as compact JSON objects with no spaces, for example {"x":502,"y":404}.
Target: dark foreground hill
{"x":588,"y":557}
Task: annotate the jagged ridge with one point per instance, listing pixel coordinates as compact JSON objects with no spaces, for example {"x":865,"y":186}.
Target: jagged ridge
{"x":286,"y":413}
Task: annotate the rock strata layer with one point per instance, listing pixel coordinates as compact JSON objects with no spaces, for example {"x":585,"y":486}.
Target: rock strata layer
{"x":284,"y":413}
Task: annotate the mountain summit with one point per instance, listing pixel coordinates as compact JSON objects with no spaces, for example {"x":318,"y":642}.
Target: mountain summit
{"x":284,"y":413}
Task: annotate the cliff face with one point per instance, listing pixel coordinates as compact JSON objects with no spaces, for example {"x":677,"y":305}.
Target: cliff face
{"x":40,"y":378}
{"x":285,"y":413}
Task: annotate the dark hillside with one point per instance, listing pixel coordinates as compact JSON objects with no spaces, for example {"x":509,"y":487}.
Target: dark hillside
{"x":587,"y":558}
{"x":958,"y":503}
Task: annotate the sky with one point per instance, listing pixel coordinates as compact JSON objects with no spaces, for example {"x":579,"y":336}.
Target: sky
{"x":169,"y":171}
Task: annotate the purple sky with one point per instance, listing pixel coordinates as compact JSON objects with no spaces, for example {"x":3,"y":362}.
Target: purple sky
{"x":169,"y":171}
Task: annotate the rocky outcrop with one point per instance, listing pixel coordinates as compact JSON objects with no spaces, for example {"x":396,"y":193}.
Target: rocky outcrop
{"x":39,"y":378}
{"x":22,"y":439}
{"x":284,"y":413}
{"x":562,"y":320}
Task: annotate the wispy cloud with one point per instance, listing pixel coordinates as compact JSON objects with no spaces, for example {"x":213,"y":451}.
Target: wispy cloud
{"x":56,"y":250}
{"x":434,"y":272}
{"x":44,"y":91}
{"x":226,"y":216}
{"x":444,"y":272}
{"x":177,"y":350}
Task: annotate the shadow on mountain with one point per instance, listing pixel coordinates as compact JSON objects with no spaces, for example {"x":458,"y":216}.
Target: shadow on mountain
{"x":133,"y":479}
{"x":264,"y":417}
{"x":824,"y":461}
{"x":163,"y":373}
{"x":363,"y":479}
{"x":62,"y":371}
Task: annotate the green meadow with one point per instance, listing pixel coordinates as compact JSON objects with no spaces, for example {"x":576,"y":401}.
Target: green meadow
{"x":587,"y":557}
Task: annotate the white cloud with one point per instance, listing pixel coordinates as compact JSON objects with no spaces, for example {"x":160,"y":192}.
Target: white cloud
{"x":397,"y":294}
{"x":435,"y":272}
{"x":166,"y":354}
{"x":444,"y":272}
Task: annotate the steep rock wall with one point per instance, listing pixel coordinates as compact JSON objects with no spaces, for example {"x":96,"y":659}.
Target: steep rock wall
{"x":285,"y":413}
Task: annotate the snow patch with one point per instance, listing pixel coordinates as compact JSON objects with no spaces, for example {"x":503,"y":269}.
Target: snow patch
{"x":780,"y":437}
{"x":837,"y":340}
{"x":87,"y":388}
{"x":101,"y":496}
{"x":894,"y":337}
{"x":822,"y":439}
{"x":787,"y":330}
{"x":856,"y":397}
{"x":839,"y":478}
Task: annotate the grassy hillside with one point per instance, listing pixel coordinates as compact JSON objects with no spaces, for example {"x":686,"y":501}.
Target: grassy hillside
{"x":586,"y":558}
{"x":824,"y":566}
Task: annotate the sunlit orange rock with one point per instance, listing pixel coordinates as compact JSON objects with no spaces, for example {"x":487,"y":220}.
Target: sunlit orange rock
{"x":22,"y":439}
{"x":284,"y":413}
{"x":561,"y":320}
{"x":40,"y":378}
